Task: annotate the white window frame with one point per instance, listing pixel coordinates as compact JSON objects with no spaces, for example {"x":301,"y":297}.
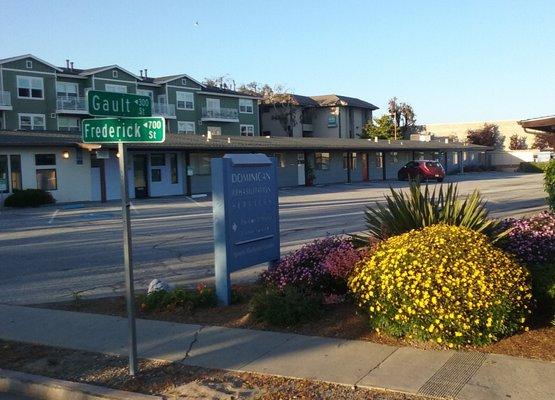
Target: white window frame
{"x":77,"y":126}
{"x":214,"y":130}
{"x":249,"y":129}
{"x":109,"y":87}
{"x":114,"y":73}
{"x":178,"y":94}
{"x":244,"y":108}
{"x":29,"y":64}
{"x":186,"y":131}
{"x":184,"y":81}
{"x":30,"y":78}
{"x":146,"y":92}
{"x":66,"y":93}
{"x":213,"y":104}
{"x":32,"y":116}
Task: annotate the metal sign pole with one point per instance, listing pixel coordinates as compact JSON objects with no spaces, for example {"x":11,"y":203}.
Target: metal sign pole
{"x":128,"y":260}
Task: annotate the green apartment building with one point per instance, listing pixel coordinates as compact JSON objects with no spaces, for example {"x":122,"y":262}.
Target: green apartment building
{"x":36,"y":95}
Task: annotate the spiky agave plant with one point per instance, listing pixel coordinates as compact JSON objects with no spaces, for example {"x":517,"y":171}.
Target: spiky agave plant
{"x":420,"y":207}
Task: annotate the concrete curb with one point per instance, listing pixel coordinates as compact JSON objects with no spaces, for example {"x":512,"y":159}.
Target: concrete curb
{"x":41,"y":387}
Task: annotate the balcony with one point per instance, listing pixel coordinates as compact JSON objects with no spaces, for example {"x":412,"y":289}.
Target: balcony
{"x":5,"y":100}
{"x":220,"y":114}
{"x":163,"y":110}
{"x":71,"y":105}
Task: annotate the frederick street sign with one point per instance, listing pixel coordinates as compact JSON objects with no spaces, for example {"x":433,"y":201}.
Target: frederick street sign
{"x":124,"y":130}
{"x":120,"y":104}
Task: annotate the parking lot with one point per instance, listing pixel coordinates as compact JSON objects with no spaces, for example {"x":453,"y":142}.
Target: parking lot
{"x":55,"y":253}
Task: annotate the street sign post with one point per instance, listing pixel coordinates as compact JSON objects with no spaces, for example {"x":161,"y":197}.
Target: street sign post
{"x":246,"y":218}
{"x":120,"y":104}
{"x":132,"y":124}
{"x":124,"y":130}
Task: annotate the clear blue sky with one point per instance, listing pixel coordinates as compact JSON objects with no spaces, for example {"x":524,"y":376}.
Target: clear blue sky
{"x":453,"y":61}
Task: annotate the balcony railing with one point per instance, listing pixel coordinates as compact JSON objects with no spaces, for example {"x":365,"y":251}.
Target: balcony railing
{"x":220,"y":114}
{"x":71,"y":103}
{"x":5,"y":99}
{"x":163,"y":109}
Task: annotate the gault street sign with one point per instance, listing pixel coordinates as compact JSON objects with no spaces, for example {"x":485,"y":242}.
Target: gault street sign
{"x":109,"y":104}
{"x":246,"y":219}
{"x":124,"y":130}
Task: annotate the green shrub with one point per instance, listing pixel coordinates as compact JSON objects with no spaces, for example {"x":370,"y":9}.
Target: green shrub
{"x":549,"y":184}
{"x":286,"y":307}
{"x":187,"y":300}
{"x":420,"y":208}
{"x":29,"y":198}
{"x":543,"y":288}
{"x":443,"y":283}
{"x":537,"y":167}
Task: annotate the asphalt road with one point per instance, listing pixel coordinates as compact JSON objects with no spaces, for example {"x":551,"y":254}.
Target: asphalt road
{"x":53,"y":253}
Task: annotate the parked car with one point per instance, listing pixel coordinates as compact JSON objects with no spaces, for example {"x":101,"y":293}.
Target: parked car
{"x":422,"y":170}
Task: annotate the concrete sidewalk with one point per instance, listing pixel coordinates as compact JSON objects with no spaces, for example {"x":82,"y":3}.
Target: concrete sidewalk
{"x":444,"y":374}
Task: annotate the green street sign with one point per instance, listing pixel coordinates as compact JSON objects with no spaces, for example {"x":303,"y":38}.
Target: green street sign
{"x":124,"y":130}
{"x":110,"y":104}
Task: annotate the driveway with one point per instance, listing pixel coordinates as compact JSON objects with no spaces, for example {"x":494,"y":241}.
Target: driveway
{"x":53,"y":253}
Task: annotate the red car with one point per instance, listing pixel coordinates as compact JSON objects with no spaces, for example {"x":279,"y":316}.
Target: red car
{"x":422,"y":170}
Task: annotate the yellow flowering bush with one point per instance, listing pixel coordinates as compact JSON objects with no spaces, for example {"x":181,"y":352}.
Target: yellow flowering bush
{"x":443,"y":283}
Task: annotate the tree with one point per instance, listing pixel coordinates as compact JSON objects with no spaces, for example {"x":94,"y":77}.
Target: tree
{"x":403,"y":117}
{"x":277,"y":99}
{"x":544,"y":141}
{"x":488,"y":135}
{"x":223,"y":82}
{"x":518,"y":142}
{"x":381,"y":127}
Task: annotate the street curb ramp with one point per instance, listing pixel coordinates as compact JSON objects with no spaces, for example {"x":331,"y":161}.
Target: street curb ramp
{"x":40,"y":387}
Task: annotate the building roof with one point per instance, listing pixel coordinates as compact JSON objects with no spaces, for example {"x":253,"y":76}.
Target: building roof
{"x":95,"y":70}
{"x":169,"y":78}
{"x":303,"y":101}
{"x":10,"y":59}
{"x":229,"y":92}
{"x":544,"y":124}
{"x":332,"y":100}
{"x":238,"y":143}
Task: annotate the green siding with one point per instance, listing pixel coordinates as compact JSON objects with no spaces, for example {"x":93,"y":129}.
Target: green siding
{"x":188,"y":83}
{"x":122,"y":75}
{"x":22,"y":64}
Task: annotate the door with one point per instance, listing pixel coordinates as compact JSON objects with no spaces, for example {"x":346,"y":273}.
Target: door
{"x":213,"y":105}
{"x":214,"y":130}
{"x":365,"y":166}
{"x":140,"y":172}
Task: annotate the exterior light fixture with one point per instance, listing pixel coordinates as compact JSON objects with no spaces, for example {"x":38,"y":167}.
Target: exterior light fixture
{"x":65,"y":154}
{"x":117,"y":154}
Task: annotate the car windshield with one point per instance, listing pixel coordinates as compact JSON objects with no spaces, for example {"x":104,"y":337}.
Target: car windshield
{"x":433,"y":164}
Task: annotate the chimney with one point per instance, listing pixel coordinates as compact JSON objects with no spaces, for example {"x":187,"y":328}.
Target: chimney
{"x":71,"y":65}
{"x":141,"y":73}
{"x":146,"y":73}
{"x":67,"y":64}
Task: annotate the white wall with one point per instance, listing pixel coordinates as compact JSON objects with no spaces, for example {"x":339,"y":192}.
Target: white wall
{"x":73,"y":180}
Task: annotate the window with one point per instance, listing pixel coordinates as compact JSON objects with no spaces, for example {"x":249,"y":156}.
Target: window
{"x":4,"y":172}
{"x":115,"y":88}
{"x":245,"y":106}
{"x":184,"y":81}
{"x":29,"y":64}
{"x":379,"y":160}
{"x":32,"y":122}
{"x":157,"y":160}
{"x":46,"y":179}
{"x":186,"y":127}
{"x":45,"y":159}
{"x":79,"y":156}
{"x":30,"y":87}
{"x":246,"y":130}
{"x":322,"y":161}
{"x":156,"y":175}
{"x":214,"y":130}
{"x":353,"y":161}
{"x":114,"y":73}
{"x":144,"y":92}
{"x":173,"y":168}
{"x":200,"y":163}
{"x":66,"y":89}
{"x":15,"y":171}
{"x":70,"y":124}
{"x":185,"y":100}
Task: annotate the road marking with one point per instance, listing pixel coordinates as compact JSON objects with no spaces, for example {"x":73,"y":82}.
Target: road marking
{"x":53,"y":216}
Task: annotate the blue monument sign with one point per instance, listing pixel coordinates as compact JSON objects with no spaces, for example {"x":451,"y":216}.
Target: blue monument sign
{"x":246,"y":218}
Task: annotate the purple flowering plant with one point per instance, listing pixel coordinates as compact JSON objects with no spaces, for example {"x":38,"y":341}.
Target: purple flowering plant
{"x":321,"y":266}
{"x":531,"y":239}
